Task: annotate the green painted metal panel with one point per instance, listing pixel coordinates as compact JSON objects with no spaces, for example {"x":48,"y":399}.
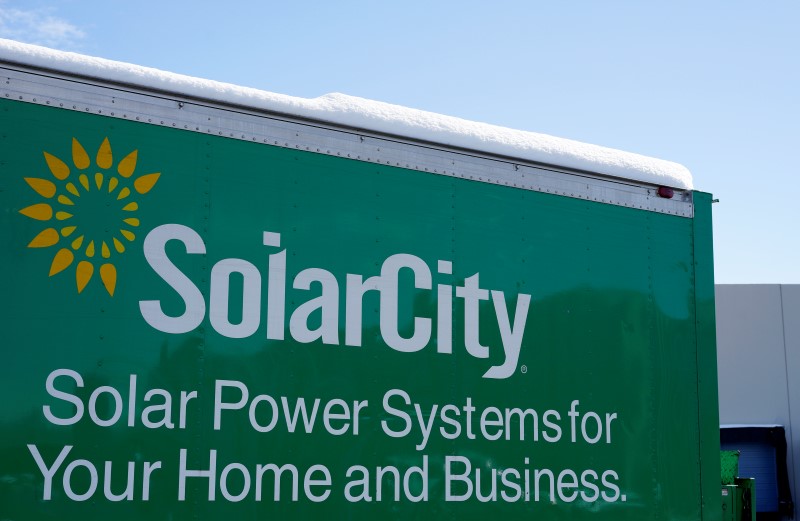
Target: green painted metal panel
{"x":706,"y":355}
{"x":602,"y":416}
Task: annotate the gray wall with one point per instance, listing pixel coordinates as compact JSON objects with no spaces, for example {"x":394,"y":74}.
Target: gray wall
{"x":758,"y":355}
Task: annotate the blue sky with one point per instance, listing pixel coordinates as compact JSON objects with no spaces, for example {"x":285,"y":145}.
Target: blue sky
{"x":713,"y":85}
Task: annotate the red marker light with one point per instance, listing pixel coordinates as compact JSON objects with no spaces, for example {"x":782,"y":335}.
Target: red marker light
{"x":665,"y":192}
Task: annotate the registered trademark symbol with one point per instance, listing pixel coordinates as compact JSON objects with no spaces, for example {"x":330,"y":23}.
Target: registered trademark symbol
{"x":524,"y":369}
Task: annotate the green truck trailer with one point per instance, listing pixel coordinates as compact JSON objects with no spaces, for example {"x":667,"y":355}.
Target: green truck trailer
{"x":221,"y":303}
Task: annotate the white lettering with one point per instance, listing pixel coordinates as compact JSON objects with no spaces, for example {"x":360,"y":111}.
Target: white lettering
{"x":327,"y":303}
{"x":55,"y":393}
{"x":251,"y":298}
{"x":156,"y":255}
{"x":318,"y":318}
{"x":389,"y":303}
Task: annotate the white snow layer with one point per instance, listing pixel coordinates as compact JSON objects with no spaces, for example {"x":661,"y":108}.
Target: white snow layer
{"x":369,"y":115}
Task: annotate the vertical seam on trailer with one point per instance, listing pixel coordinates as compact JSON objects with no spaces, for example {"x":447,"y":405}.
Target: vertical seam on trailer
{"x":697,"y":361}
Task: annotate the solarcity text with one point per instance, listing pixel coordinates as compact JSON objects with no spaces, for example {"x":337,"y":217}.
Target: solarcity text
{"x":387,"y":285}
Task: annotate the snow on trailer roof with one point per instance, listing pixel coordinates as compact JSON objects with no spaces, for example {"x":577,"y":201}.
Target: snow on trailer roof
{"x":376,"y":116}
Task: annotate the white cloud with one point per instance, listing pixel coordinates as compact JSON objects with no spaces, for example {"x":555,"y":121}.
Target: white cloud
{"x":38,"y":26}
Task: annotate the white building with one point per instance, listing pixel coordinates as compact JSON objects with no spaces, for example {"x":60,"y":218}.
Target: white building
{"x":758,"y":354}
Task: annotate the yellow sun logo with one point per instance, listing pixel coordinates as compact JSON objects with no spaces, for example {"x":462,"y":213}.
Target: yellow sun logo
{"x":92,"y":208}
